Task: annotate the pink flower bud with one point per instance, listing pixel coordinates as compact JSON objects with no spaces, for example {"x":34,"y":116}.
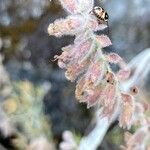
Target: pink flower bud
{"x":138,"y":116}
{"x":68,"y":141}
{"x":103,"y":40}
{"x":70,"y":25}
{"x":74,"y":70}
{"x":85,"y":6}
{"x":113,"y":58}
{"x":123,"y":74}
{"x":79,"y":92}
{"x":127,"y":111}
{"x":80,"y":49}
{"x":93,"y":97}
{"x":108,"y":95}
{"x":107,"y":111}
{"x":95,"y":26}
{"x":94,"y":72}
{"x":77,"y":62}
{"x":61,"y":64}
{"x":62,"y":59}
{"x":110,"y":78}
{"x":70,"y":5}
{"x":127,"y":136}
{"x":137,"y":139}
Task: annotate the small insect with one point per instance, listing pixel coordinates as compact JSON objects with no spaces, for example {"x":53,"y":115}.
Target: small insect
{"x":100,"y":13}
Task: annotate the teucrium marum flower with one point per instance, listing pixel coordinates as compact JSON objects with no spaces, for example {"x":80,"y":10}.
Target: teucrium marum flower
{"x":86,"y":63}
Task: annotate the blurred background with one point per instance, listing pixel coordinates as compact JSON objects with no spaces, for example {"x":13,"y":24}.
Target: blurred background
{"x":37,"y":103}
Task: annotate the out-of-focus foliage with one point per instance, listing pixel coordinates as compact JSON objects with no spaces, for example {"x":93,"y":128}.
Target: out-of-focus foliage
{"x":12,"y":11}
{"x":115,"y":136}
{"x":5,"y":87}
{"x":22,"y":107}
{"x":25,"y":107}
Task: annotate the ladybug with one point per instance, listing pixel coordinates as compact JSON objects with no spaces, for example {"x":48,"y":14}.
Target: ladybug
{"x":100,"y":13}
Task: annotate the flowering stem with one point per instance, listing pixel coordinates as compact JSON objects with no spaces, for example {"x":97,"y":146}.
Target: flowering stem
{"x":94,"y":139}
